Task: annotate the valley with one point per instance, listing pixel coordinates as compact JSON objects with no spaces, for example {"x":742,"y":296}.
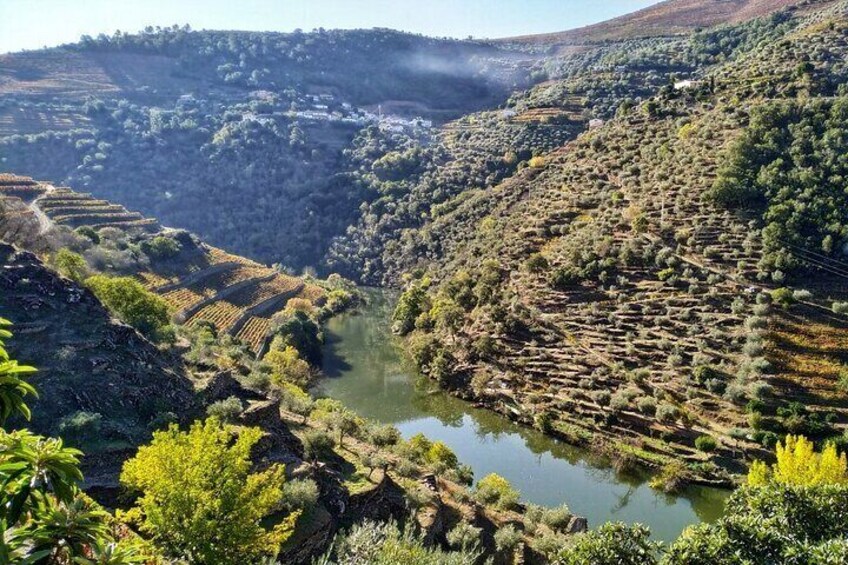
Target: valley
{"x":545,"y":299}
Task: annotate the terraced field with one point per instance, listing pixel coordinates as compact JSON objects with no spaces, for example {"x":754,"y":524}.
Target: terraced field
{"x":20,"y":187}
{"x":73,"y":209}
{"x":238,"y":295}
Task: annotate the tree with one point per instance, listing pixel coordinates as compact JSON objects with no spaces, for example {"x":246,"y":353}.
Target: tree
{"x":287,"y":367}
{"x":161,"y":247}
{"x":295,"y":399}
{"x":297,"y":329}
{"x":199,"y":499}
{"x":798,"y":464}
{"x":447,"y":315}
{"x":613,"y":543}
{"x":13,"y":388}
{"x":770,"y":524}
{"x":336,"y":417}
{"x":410,"y":305}
{"x":133,"y":304}
{"x":70,"y":265}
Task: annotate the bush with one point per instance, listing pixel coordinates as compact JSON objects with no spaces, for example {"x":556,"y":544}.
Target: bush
{"x":839,"y":307}
{"x":667,"y":413}
{"x":88,"y":233}
{"x":464,"y":537}
{"x":385,"y":544}
{"x":160,"y":247}
{"x":287,"y":367}
{"x":189,"y":480}
{"x":783,"y":297}
{"x":133,"y":304}
{"x":300,"y":494}
{"x":550,"y":544}
{"x":614,"y":543}
{"x":383,"y":435}
{"x":507,"y":538}
{"x":556,"y":518}
{"x":81,"y":426}
{"x":295,"y":399}
{"x":227,"y":410}
{"x":317,"y":444}
{"x":647,"y":405}
{"x":707,"y":444}
{"x":410,"y":305}
{"x":296,"y":329}
{"x":601,"y":397}
{"x":537,"y":263}
{"x":70,"y":265}
{"x":671,"y":477}
{"x":494,"y":489}
{"x":563,"y":278}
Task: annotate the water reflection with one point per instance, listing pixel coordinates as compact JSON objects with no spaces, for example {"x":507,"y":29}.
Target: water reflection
{"x":366,"y":372}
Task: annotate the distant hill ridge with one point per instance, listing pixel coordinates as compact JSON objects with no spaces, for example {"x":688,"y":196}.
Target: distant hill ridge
{"x":670,"y":17}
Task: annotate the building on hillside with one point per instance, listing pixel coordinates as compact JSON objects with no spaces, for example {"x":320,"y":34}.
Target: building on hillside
{"x":685,"y":84}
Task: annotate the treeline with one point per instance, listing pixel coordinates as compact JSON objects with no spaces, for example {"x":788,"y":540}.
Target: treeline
{"x":366,"y":66}
{"x":789,"y":166}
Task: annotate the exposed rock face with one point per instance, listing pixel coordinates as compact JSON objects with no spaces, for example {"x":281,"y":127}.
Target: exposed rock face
{"x":222,"y":386}
{"x":279,"y":445}
{"x":577,"y":525}
{"x":87,"y":361}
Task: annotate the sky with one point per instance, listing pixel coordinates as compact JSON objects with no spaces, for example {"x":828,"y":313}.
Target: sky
{"x":32,"y":24}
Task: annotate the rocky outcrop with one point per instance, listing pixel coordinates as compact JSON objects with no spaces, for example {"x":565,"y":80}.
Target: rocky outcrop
{"x":224,"y":385}
{"x":279,"y":444}
{"x":87,"y":361}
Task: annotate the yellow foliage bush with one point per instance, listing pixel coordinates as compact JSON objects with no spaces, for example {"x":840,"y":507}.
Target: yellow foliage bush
{"x":798,"y":464}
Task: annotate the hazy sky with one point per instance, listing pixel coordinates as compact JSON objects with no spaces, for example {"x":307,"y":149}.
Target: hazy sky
{"x":32,"y":24}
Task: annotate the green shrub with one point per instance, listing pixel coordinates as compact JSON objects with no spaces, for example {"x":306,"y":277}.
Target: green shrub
{"x":227,"y":410}
{"x":507,"y":539}
{"x":160,"y":247}
{"x":494,"y":489}
{"x":70,"y":265}
{"x":783,"y":297}
{"x":88,"y":233}
{"x":81,"y":426}
{"x":300,"y":494}
{"x":133,"y":304}
{"x":537,"y":263}
{"x":706,"y":444}
{"x":613,"y":543}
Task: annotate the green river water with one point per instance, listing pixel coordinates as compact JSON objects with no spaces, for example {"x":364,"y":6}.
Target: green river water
{"x":366,"y":371}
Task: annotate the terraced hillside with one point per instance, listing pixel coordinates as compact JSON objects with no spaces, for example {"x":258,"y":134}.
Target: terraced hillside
{"x":609,"y":295}
{"x":200,"y":282}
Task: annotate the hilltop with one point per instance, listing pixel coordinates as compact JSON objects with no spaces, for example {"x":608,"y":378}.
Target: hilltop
{"x":667,"y":18}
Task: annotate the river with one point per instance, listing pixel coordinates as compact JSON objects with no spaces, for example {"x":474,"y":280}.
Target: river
{"x":367,"y":372}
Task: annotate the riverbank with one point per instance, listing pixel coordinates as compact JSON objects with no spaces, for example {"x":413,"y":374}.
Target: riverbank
{"x":366,"y":371}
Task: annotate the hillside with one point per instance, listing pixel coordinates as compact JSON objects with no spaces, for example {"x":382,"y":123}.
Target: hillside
{"x":607,"y":294}
{"x":88,"y":362}
{"x":257,"y":124}
{"x":200,"y":283}
{"x":666,"y":18}
{"x":105,"y":388}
